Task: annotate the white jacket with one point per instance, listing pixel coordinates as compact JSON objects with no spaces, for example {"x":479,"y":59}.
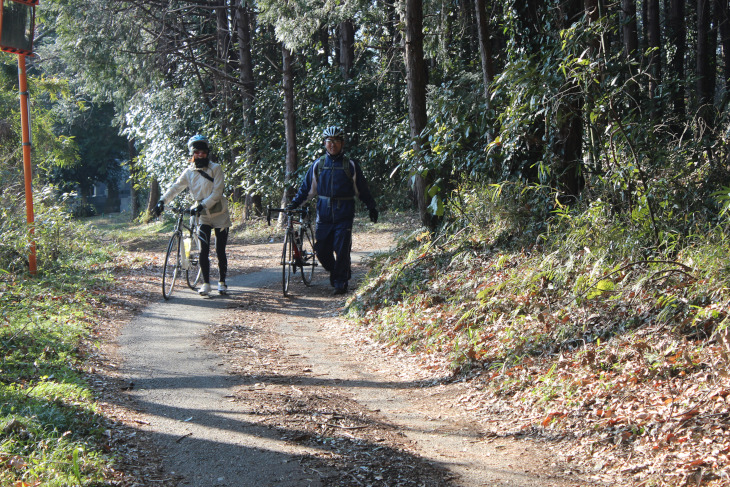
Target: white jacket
{"x":209,"y":193}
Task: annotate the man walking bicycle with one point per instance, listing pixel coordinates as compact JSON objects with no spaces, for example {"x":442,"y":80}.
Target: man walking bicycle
{"x":336,"y":180}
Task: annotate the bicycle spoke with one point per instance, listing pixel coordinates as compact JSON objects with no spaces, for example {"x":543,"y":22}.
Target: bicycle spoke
{"x":309,"y":261}
{"x":286,"y":263}
{"x":171,"y":267}
{"x":194,"y":274}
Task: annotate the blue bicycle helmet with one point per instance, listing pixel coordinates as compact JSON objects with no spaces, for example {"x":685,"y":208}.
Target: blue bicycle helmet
{"x":198,"y":142}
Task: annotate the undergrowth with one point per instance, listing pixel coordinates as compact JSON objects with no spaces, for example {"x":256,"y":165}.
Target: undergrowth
{"x":51,"y":433}
{"x":576,"y":317}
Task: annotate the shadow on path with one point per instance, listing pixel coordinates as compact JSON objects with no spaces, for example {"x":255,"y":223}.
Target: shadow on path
{"x":210,"y":439}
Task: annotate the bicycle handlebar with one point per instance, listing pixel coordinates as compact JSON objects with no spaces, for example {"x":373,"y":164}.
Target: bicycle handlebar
{"x":303,"y":211}
{"x":184,"y":211}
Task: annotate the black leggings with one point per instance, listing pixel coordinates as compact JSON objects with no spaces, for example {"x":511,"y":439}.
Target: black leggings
{"x":221,"y":239}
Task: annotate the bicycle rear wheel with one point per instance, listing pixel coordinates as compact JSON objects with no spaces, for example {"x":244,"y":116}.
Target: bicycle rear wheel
{"x":308,"y":261}
{"x":171,"y":267}
{"x":194,"y":274}
{"x":287,"y":263}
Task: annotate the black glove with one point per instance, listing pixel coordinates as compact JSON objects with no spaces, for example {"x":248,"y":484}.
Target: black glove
{"x":291,"y":206}
{"x":374,"y":215}
{"x":198,"y":210}
{"x":159,"y":208}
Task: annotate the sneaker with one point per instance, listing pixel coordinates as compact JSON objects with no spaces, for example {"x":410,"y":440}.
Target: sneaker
{"x":222,"y":288}
{"x":204,"y":289}
{"x":340,"y":290}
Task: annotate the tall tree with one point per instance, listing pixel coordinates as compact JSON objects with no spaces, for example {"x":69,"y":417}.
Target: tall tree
{"x":654,"y":58}
{"x":629,"y":29}
{"x":677,"y":37}
{"x":347,"y":47}
{"x":416,"y":81}
{"x":568,"y":146}
{"x":723,"y":19}
{"x":289,"y":124}
{"x":485,"y":46}
{"x":705,"y":60}
{"x":244,"y":18}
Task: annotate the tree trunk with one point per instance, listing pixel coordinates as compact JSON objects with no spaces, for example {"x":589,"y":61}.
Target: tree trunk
{"x":629,"y":29}
{"x":485,"y":47}
{"x":530,"y":32}
{"x":134,"y":199}
{"x":224,"y":55}
{"x":723,"y":18}
{"x":223,"y":43}
{"x":654,"y":59}
{"x":416,"y":80}
{"x":243,"y":29}
{"x":347,"y":48}
{"x":337,"y":56}
{"x":324,"y":40}
{"x":678,"y":39}
{"x":467,"y":34}
{"x":392,"y":47}
{"x":630,"y":34}
{"x":154,"y":194}
{"x":289,"y":127}
{"x":596,"y":46}
{"x":569,"y":147}
{"x":705,"y":61}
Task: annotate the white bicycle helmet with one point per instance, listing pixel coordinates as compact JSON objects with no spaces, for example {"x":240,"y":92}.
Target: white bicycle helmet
{"x":333,"y":131}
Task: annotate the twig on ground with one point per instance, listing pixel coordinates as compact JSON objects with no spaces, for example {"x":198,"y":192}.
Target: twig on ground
{"x":189,"y":433}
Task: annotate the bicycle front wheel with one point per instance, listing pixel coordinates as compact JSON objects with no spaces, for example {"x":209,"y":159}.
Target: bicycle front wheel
{"x":171,"y":267}
{"x":287,"y":263}
{"x":194,"y":274}
{"x":308,"y":261}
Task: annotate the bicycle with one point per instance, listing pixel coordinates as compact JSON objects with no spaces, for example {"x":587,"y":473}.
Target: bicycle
{"x":183,"y":253}
{"x":298,"y":249}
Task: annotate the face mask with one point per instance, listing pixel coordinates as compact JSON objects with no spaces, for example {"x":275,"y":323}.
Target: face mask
{"x":201,"y":162}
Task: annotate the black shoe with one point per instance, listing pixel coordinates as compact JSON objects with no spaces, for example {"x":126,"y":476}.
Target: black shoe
{"x":340,"y":290}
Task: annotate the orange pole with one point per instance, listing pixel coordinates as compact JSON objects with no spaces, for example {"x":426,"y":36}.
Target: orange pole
{"x":25,"y":122}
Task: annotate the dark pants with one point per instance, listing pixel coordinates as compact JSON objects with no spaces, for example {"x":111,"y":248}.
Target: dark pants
{"x":221,"y":239}
{"x":333,"y":245}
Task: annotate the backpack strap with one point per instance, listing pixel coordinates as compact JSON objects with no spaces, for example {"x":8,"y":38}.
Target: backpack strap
{"x":205,"y":175}
{"x":347,"y":165}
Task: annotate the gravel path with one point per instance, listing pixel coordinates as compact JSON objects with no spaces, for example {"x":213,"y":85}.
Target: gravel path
{"x":186,"y":395}
{"x":254,"y":389}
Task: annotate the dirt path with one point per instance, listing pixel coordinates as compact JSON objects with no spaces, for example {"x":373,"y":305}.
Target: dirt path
{"x":257,"y":389}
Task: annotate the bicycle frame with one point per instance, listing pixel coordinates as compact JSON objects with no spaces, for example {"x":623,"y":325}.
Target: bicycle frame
{"x":298,"y":249}
{"x":180,"y":257}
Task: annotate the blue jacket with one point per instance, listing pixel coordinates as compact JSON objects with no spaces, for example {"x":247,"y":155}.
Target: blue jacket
{"x":328,"y":179}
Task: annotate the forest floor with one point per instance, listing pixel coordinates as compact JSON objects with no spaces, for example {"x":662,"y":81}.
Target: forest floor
{"x":291,"y":393}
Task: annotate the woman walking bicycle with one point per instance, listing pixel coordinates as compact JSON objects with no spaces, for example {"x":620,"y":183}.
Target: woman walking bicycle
{"x":204,"y":179}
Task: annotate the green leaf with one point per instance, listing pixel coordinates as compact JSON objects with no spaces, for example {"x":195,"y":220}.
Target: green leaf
{"x":436,"y":207}
{"x":603,"y":286}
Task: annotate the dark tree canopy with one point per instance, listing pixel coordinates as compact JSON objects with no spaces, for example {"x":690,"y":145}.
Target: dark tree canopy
{"x":581,"y":97}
